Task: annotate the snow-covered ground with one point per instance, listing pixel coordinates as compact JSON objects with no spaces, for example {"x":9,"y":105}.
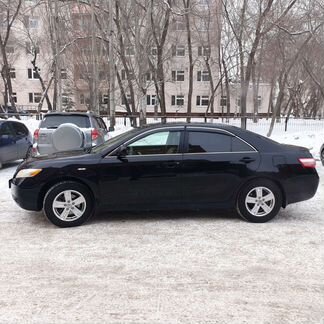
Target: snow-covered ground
{"x":162,"y":267}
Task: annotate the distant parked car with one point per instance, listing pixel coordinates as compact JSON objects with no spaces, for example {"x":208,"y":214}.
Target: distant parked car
{"x":15,"y":141}
{"x":322,"y":154}
{"x":67,"y":131}
{"x":177,"y":166}
{"x":8,"y":111}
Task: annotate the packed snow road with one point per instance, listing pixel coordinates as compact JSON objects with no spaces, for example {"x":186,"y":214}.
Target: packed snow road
{"x":162,"y":268}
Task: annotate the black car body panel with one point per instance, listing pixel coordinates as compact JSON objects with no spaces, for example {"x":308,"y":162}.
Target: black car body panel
{"x":180,"y":179}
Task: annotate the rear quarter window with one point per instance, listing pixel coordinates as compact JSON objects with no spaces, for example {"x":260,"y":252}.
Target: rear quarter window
{"x":54,"y":121}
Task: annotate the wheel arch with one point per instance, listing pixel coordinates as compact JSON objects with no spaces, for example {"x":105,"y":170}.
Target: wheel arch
{"x":275,"y":181}
{"x":55,"y":181}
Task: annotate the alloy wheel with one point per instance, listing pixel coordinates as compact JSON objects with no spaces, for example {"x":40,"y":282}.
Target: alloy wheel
{"x":260,"y":201}
{"x":69,"y":205}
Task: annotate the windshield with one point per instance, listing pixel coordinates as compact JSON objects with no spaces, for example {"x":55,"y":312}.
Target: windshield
{"x":114,"y":140}
{"x":54,"y":121}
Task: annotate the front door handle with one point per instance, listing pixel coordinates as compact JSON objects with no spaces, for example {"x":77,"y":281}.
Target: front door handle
{"x":171,"y":164}
{"x":247,"y":159}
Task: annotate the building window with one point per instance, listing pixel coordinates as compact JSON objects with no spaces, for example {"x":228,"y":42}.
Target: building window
{"x":65,"y":98}
{"x":223,"y":101}
{"x":154,"y":51}
{"x":203,"y":24}
{"x":10,"y":49}
{"x":127,"y":99}
{"x":149,"y":76}
{"x":82,"y":99}
{"x":179,"y":24}
{"x":63,"y":74}
{"x":259,"y":101}
{"x":12,"y":73}
{"x":203,"y":51}
{"x":178,"y":50}
{"x":130,"y":50}
{"x":102,"y":75}
{"x":34,"y":97}
{"x":14,"y":97}
{"x":124,"y":75}
{"x":32,"y":49}
{"x":203,"y":76}
{"x":33,"y":74}
{"x":202,"y":101}
{"x":33,"y":22}
{"x":177,"y":101}
{"x":151,"y":100}
{"x":177,"y":75}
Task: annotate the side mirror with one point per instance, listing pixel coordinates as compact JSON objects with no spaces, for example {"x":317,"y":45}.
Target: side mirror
{"x":122,"y":153}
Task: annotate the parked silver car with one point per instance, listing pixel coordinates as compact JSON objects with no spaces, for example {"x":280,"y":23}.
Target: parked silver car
{"x":15,"y":141}
{"x":66,"y":131}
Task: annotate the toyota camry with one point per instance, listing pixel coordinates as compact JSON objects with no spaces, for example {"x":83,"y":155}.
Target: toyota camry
{"x":171,"y":166}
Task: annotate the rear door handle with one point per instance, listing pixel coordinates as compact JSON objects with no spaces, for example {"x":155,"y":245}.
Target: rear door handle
{"x":247,"y":159}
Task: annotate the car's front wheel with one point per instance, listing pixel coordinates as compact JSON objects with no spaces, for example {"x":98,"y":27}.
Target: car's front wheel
{"x":68,"y":204}
{"x":259,"y":201}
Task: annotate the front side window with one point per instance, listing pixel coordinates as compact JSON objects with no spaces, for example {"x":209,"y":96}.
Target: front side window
{"x":166,"y":142}
{"x":204,"y":142}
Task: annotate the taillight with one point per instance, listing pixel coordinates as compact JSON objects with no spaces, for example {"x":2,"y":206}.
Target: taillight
{"x":36,"y":134}
{"x":308,"y":162}
{"x":94,"y":134}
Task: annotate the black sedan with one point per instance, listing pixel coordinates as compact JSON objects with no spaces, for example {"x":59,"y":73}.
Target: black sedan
{"x":172,"y":166}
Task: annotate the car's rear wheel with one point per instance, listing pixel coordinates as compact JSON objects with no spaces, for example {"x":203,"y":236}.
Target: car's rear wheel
{"x":259,"y":201}
{"x":68,"y":204}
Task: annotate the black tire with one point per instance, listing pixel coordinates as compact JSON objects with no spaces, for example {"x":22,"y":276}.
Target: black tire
{"x":259,"y":201}
{"x":322,"y":156}
{"x":63,"y":212}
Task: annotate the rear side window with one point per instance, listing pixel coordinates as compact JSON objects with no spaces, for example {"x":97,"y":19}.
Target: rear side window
{"x":240,"y":146}
{"x":203,"y":142}
{"x":54,"y":121}
{"x":20,"y":129}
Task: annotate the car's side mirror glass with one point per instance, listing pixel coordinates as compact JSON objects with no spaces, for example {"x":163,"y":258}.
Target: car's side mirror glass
{"x":122,"y":152}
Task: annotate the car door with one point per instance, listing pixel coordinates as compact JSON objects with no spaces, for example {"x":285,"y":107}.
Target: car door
{"x":8,"y":147}
{"x":215,"y":163}
{"x":22,"y":139}
{"x":147,"y":175}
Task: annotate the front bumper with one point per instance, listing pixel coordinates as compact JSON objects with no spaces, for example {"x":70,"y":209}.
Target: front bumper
{"x":25,"y":198}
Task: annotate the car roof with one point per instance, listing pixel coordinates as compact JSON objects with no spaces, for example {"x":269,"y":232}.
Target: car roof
{"x":72,"y":113}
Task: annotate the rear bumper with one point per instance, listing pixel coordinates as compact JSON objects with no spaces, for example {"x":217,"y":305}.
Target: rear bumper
{"x":25,"y":198}
{"x":301,"y":188}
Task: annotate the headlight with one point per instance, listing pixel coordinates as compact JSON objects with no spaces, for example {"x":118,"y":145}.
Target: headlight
{"x":28,"y":173}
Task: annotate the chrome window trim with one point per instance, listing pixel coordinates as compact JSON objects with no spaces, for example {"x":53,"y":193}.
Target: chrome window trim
{"x":187,"y":128}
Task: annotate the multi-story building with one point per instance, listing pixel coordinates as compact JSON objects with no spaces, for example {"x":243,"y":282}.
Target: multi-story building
{"x":83,"y":65}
